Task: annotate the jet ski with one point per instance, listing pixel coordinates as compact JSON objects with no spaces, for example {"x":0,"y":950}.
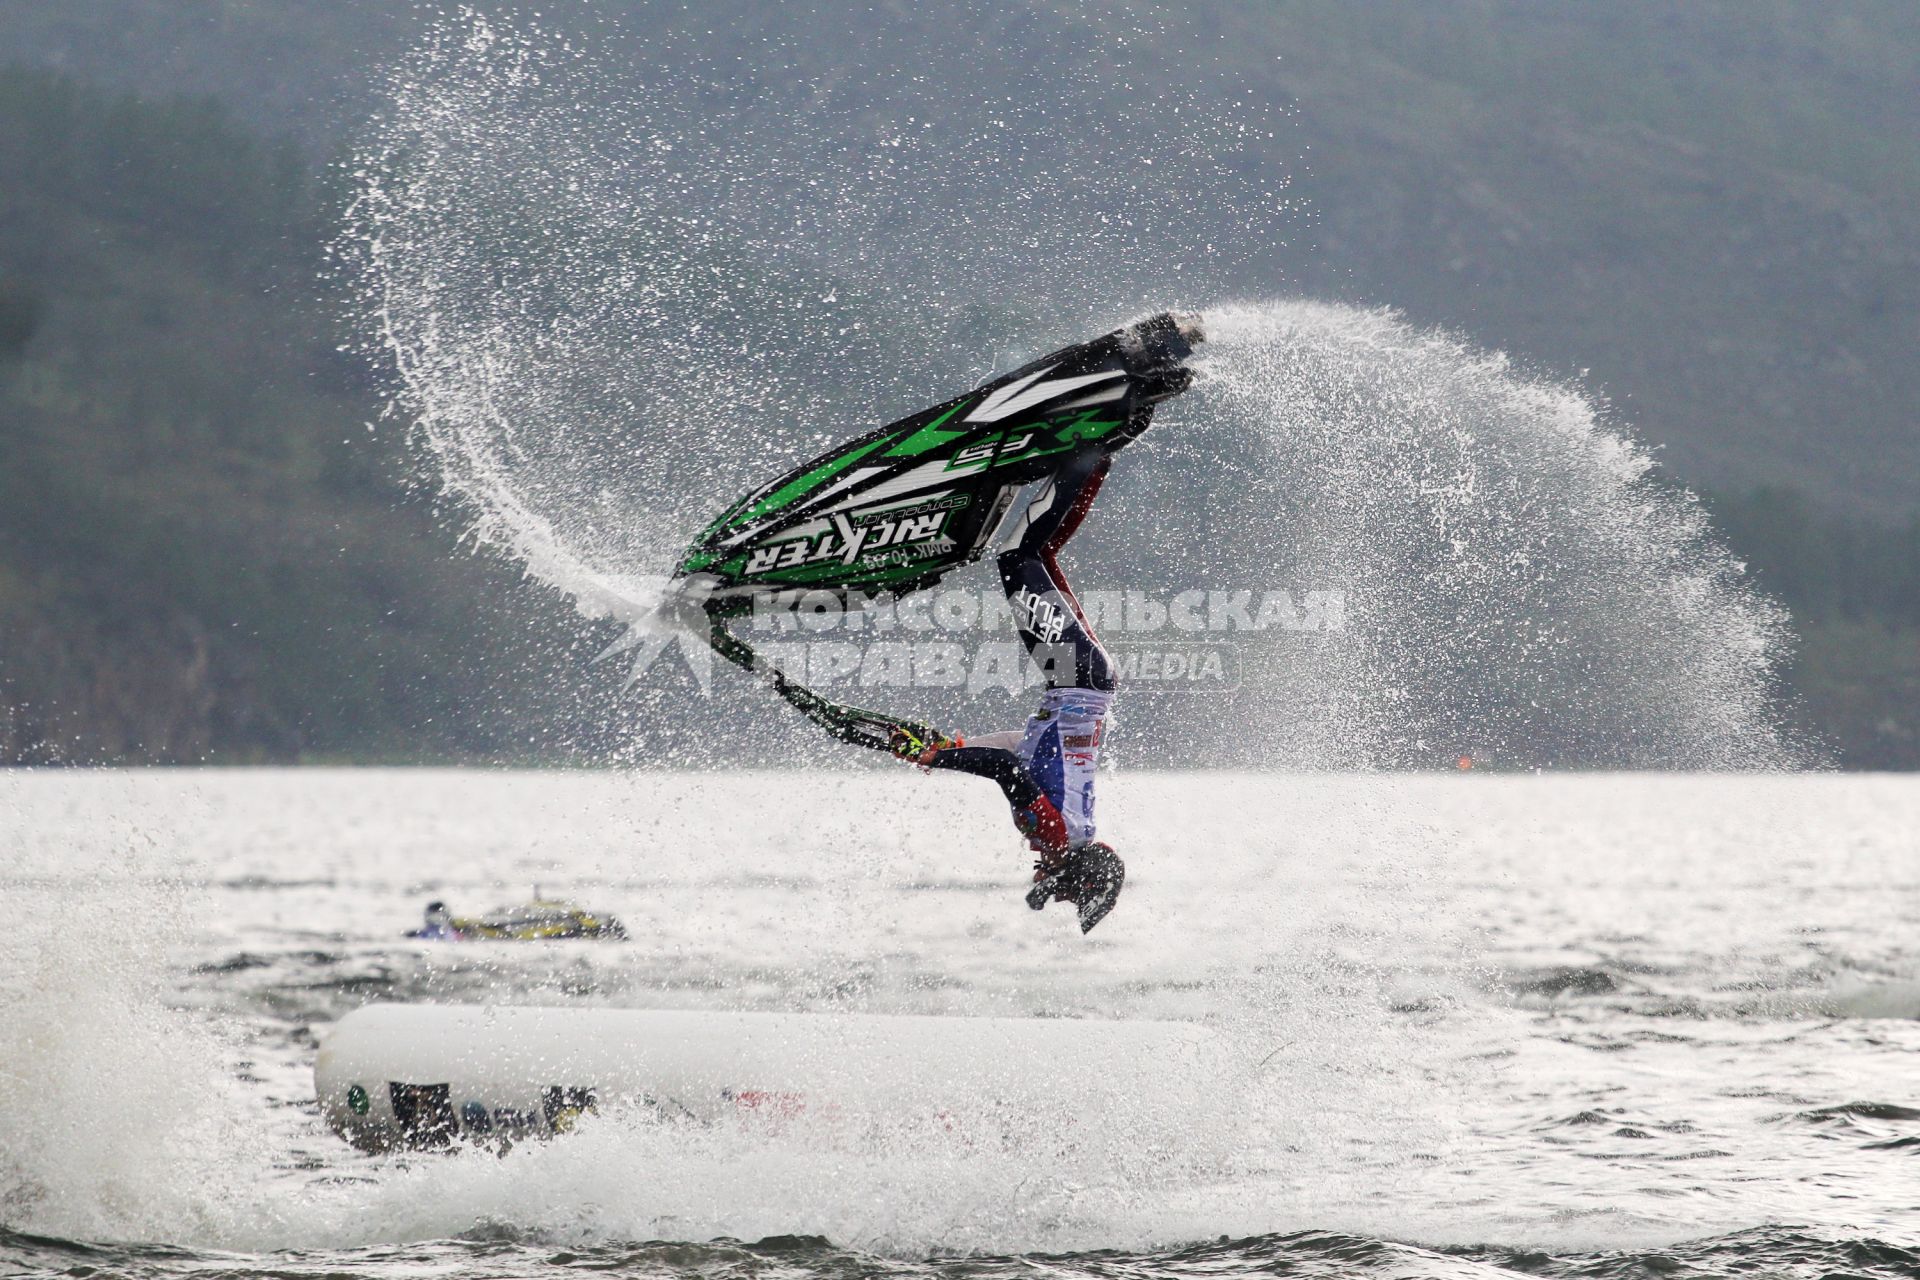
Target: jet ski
{"x":535,"y":921}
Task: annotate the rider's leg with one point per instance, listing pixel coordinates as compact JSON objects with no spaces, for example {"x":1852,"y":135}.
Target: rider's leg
{"x":1039,"y":821}
{"x":1045,"y":612}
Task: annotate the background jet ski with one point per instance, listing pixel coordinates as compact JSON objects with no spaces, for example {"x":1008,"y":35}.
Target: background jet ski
{"x":540,"y":919}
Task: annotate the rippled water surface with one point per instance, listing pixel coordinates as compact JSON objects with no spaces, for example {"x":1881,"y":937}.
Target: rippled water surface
{"x":1587,"y":1026}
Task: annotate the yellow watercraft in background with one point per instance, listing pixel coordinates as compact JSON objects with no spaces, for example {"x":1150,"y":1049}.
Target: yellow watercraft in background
{"x":535,"y":921}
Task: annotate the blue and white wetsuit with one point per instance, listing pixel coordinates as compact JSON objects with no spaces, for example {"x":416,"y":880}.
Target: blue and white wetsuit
{"x":1047,"y":770}
{"x":1059,"y":750}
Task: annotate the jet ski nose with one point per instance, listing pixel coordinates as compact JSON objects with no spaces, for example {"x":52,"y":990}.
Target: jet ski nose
{"x":1159,"y":343}
{"x":1152,"y":351}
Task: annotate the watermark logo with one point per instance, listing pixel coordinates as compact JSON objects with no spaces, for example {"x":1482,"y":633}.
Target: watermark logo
{"x":1185,"y":642}
{"x":1199,"y":610}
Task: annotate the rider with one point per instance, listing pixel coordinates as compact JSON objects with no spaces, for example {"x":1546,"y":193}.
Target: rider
{"x":438,"y":925}
{"x":1046,"y":771}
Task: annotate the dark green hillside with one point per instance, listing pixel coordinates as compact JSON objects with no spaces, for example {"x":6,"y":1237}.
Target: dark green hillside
{"x":200,"y":555}
{"x":1709,"y":206}
{"x":1854,"y":588}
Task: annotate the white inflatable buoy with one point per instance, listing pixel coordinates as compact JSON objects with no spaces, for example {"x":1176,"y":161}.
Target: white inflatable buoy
{"x":429,"y":1075}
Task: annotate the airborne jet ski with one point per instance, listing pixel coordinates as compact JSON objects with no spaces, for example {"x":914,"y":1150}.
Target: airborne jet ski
{"x":899,"y":508}
{"x":535,"y":921}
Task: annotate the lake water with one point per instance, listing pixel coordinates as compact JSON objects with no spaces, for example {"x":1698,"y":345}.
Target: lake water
{"x":1581,"y":1025}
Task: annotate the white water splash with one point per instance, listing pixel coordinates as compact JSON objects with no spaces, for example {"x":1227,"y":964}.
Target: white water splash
{"x":615,"y":303}
{"x":1520,"y":586}
{"x":113,"y":1116}
{"x":614,"y":297}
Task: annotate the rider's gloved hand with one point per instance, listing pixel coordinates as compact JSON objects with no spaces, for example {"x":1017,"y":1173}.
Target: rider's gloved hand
{"x":920,"y":743}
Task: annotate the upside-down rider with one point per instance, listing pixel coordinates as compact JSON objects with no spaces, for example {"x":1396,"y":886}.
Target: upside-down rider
{"x":1046,"y":771}
{"x":896,"y":509}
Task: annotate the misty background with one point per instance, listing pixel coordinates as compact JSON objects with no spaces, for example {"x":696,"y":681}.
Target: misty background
{"x":1703,"y":214}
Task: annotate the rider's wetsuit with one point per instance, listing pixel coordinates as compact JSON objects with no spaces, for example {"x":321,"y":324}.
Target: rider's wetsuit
{"x":1047,"y":771}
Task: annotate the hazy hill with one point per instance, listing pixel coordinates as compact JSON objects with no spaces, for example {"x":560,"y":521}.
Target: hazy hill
{"x":201,"y":552}
{"x":1710,"y":206}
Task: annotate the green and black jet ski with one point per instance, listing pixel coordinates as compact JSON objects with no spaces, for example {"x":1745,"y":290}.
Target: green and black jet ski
{"x":899,"y":508}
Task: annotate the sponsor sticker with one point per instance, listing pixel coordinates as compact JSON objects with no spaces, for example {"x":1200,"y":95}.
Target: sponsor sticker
{"x":859,"y":537}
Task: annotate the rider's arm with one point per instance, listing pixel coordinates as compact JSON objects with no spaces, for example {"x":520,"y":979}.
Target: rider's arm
{"x":1006,"y":741}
